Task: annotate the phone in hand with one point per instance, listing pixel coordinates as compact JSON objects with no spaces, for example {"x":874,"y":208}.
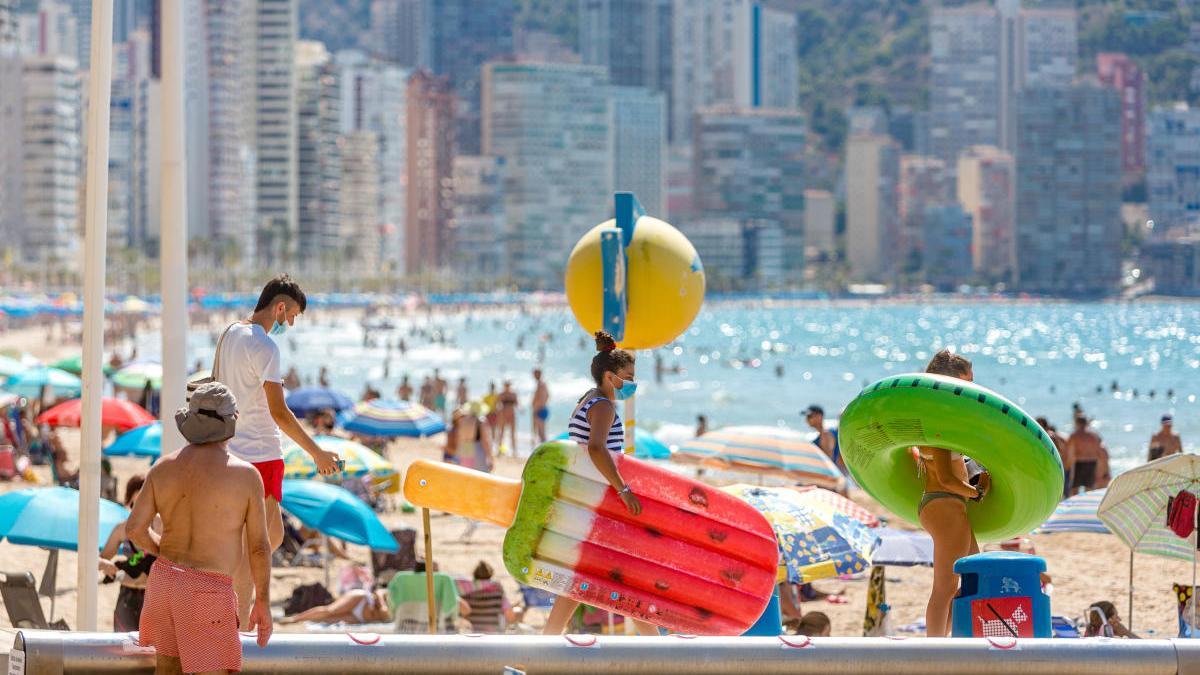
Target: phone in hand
{"x":341,"y":465}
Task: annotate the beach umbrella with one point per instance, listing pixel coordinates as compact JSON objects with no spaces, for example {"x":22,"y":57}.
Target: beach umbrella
{"x":769,"y":450}
{"x":902,"y":548}
{"x":74,"y":365}
{"x":144,"y":441}
{"x":360,"y":460}
{"x":838,"y":503}
{"x":114,"y":412}
{"x":815,"y":541}
{"x":49,"y":517}
{"x":31,"y":382}
{"x":387,"y":418}
{"x":336,"y":512}
{"x":10,"y":366}
{"x":1077,"y":514}
{"x":1135,"y":509}
{"x":645,"y":445}
{"x":306,"y":400}
{"x":137,"y":374}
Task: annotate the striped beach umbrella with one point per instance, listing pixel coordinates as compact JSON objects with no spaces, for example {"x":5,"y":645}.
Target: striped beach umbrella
{"x":137,"y":374}
{"x":306,"y":400}
{"x":815,"y":541}
{"x":1135,"y":505}
{"x":772,"y":450}
{"x":645,"y":445}
{"x":389,"y":418}
{"x":1135,"y":509}
{"x":1077,"y":514}
{"x":360,"y":459}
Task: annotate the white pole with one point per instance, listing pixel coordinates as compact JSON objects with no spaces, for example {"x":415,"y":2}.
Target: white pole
{"x":173,"y":247}
{"x":95,"y":238}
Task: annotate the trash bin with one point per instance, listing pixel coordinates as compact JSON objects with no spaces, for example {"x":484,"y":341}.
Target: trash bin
{"x":1000,"y":595}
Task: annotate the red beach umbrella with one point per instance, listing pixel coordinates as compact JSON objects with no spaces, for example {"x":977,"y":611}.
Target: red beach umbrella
{"x":115,"y":412}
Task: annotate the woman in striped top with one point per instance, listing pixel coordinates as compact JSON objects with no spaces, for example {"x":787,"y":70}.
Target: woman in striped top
{"x":596,"y":424}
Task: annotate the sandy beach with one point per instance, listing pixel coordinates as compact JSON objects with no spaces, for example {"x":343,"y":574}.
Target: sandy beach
{"x":1084,"y":567}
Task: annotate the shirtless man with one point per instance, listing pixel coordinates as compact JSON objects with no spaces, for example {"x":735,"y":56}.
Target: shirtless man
{"x":1064,"y":452}
{"x":826,"y":439}
{"x":1090,"y":457}
{"x":1166,"y":441}
{"x":541,"y":408}
{"x":206,"y":499}
{"x":405,"y":390}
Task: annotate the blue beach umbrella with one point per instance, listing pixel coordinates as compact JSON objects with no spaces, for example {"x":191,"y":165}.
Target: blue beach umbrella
{"x":308,"y":400}
{"x":143,"y":441}
{"x":31,"y":382}
{"x":49,"y":517}
{"x":1077,"y":514}
{"x":388,"y":418}
{"x":335,"y":511}
{"x":645,"y":445}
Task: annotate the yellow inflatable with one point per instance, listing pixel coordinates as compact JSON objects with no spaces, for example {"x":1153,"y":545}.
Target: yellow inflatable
{"x":665,"y":283}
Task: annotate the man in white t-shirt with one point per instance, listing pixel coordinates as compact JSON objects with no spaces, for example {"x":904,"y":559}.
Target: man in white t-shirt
{"x":249,"y":367}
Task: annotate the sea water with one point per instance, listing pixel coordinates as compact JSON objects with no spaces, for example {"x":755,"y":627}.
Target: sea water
{"x":747,"y":364}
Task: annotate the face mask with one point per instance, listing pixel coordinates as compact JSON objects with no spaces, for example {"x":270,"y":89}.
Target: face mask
{"x":626,"y":390}
{"x":278,"y":328}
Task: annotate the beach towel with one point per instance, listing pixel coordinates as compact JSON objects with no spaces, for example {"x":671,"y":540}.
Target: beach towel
{"x":1181,"y":514}
{"x":406,"y":599}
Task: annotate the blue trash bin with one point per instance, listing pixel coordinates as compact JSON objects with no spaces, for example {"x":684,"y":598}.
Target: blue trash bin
{"x":1000,"y":595}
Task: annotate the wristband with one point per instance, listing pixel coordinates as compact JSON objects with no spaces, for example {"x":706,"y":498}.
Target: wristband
{"x":625,"y":490}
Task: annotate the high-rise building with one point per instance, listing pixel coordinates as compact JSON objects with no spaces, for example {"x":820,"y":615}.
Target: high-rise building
{"x":550,"y":122}
{"x":53,"y":30}
{"x":924,"y":182}
{"x":11,"y":113}
{"x":632,"y":38}
{"x":1119,"y":72}
{"x":82,"y":11}
{"x":231,"y":146}
{"x":51,"y":153}
{"x":638,"y":138}
{"x":986,"y":189}
{"x":981,"y":58}
{"x":749,"y":164}
{"x":460,"y":36}
{"x":373,"y":99}
{"x":1174,"y":264}
{"x":1173,"y":169}
{"x":820,"y":215}
{"x":396,"y":31}
{"x":681,"y":186}
{"x":873,"y":227}
{"x":946,"y":245}
{"x":739,"y":52}
{"x":359,"y":206}
{"x":430,"y":132}
{"x":277,"y":27}
{"x":1069,"y":229}
{"x":143,"y":221}
{"x":318,"y":128}
{"x":478,"y":225}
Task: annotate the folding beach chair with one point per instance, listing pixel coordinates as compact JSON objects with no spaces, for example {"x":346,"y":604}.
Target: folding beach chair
{"x":21,"y":600}
{"x":385,"y":565}
{"x":1183,"y":609}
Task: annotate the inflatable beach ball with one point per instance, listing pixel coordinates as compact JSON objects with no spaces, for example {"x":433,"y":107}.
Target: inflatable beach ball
{"x":665,"y":283}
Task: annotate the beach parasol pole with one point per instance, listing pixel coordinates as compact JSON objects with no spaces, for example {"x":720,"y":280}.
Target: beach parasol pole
{"x":95,"y":239}
{"x":1131,"y":588}
{"x":430,"y":601}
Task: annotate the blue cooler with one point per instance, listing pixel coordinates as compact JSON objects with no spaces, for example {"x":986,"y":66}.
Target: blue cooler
{"x":1000,"y":595}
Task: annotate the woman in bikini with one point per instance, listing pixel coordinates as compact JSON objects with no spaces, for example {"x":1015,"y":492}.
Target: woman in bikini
{"x":596,"y":425}
{"x":943,"y":508}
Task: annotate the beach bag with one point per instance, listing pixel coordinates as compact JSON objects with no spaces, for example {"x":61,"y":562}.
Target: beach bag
{"x":306,"y":597}
{"x":213,"y":375}
{"x":1181,"y":514}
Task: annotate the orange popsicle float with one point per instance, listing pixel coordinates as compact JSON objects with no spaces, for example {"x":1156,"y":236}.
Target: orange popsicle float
{"x":697,"y":560}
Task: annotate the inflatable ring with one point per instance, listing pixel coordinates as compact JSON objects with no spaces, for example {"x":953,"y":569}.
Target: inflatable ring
{"x":878,"y":428}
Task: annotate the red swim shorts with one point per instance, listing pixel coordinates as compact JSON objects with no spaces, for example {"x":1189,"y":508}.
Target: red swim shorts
{"x":272,"y":477}
{"x":192,"y":615}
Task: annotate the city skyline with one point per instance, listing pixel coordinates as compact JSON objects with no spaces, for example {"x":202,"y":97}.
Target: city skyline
{"x":302,"y":157}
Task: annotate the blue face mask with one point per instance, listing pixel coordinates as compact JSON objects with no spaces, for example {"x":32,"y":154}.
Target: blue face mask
{"x":626,"y":390}
{"x":278,"y":328}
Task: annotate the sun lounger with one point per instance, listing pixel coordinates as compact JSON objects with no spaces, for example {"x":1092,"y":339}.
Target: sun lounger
{"x":21,"y":600}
